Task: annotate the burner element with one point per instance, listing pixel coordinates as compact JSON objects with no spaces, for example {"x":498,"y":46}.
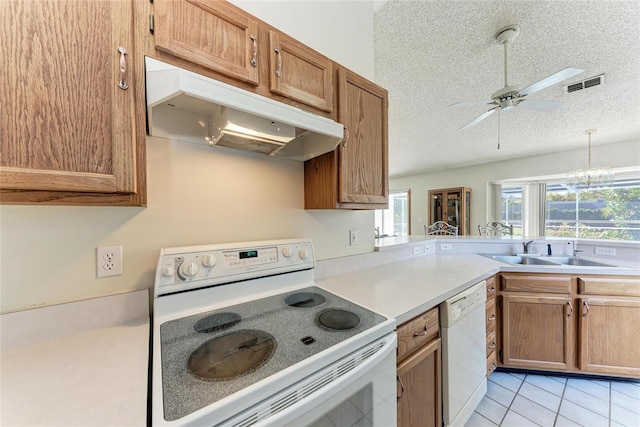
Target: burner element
{"x":304,"y":300}
{"x":232,"y":356}
{"x":338,"y":319}
{"x":217,"y":322}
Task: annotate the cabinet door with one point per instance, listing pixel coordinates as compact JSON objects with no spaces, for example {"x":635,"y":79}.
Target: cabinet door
{"x":538,"y":332}
{"x":300,"y":73}
{"x":419,"y":390}
{"x":609,"y":336}
{"x":209,"y":33}
{"x":67,"y":124}
{"x":362,"y":108}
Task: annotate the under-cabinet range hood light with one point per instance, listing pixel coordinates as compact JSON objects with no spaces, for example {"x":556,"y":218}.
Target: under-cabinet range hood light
{"x":186,"y":106}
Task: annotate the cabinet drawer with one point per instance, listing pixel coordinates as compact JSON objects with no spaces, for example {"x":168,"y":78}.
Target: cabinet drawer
{"x":491,"y":342}
{"x":491,"y":315}
{"x":609,"y":286}
{"x":536,"y":283}
{"x":491,"y":287}
{"x":491,"y":363}
{"x":417,"y":331}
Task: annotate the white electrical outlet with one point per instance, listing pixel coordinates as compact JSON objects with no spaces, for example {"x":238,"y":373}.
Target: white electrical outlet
{"x":353,"y":237}
{"x":605,"y":251}
{"x":109,"y":261}
{"x":446,"y":246}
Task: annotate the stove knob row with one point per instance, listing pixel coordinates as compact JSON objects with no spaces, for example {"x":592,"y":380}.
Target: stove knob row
{"x":286,"y":252}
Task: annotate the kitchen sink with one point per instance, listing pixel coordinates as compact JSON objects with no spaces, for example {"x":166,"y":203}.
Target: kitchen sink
{"x":524,"y":260}
{"x":546,"y":260}
{"x":568,"y":260}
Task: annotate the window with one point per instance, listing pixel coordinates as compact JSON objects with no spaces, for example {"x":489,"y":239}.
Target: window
{"x":610,"y":213}
{"x":512,"y":208}
{"x":395,"y":220}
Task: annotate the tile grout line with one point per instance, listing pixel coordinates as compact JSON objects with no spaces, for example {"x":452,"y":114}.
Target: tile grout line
{"x":566,"y":384}
{"x":514,"y":398}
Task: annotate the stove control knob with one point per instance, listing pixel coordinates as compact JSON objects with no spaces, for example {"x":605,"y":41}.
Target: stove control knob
{"x":188,"y":269}
{"x":286,"y":251}
{"x":303,"y":254}
{"x":168,"y":271}
{"x":209,"y":260}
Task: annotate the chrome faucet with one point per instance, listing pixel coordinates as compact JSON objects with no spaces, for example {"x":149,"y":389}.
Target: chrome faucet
{"x":575,"y":251}
{"x":525,"y":246}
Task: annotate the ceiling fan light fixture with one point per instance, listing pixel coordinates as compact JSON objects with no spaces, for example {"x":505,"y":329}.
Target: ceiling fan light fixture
{"x":590,"y":178}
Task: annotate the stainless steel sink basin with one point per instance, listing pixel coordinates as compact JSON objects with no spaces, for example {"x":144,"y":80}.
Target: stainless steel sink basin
{"x":523,"y":260}
{"x":558,"y":261}
{"x":567,"y":260}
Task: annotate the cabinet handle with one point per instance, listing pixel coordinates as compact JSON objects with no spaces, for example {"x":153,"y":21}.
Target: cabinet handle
{"x":254,"y":60}
{"x":492,"y":317}
{"x":570,"y":309}
{"x":401,"y":388}
{"x":491,"y":290}
{"x":123,"y":68}
{"x":345,"y":140}
{"x":492,"y":367}
{"x":492,"y":346}
{"x":585,"y":305}
{"x":420,"y":334}
{"x":279,"y":68}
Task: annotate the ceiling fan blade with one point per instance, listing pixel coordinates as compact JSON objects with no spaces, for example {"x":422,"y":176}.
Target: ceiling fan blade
{"x":470,"y":103}
{"x":480,"y":118}
{"x":550,"y":80}
{"x":539,"y":105}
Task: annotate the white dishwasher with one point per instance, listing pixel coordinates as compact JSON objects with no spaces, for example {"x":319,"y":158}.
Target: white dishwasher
{"x":464,"y":358}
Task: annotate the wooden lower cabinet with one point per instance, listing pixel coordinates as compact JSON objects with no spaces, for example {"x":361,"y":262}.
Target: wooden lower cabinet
{"x":419,"y":387}
{"x":537,"y":331}
{"x":609,"y":335}
{"x":419,"y":371}
{"x":570,"y":323}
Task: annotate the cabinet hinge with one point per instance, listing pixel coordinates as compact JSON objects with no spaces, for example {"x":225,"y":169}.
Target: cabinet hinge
{"x":151,"y":23}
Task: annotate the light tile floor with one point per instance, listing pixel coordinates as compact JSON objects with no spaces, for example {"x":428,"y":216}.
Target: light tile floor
{"x":522,"y":400}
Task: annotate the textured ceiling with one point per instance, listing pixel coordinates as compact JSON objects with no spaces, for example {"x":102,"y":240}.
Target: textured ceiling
{"x":430,"y":54}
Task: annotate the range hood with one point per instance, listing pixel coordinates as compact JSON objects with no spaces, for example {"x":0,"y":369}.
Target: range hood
{"x":185,"y":106}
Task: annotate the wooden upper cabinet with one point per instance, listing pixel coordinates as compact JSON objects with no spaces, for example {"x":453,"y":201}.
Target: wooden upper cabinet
{"x":68,"y":128}
{"x":210,"y":33}
{"x":300,"y":73}
{"x":355,"y":175}
{"x":363,"y":108}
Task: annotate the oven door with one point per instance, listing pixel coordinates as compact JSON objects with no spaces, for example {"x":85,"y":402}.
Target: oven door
{"x":359,"y":389}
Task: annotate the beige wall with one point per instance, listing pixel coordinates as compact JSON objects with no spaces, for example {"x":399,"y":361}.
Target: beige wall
{"x":623,"y":154}
{"x":197,"y":195}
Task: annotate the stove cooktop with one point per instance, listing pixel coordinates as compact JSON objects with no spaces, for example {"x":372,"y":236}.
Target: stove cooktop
{"x":211,"y":355}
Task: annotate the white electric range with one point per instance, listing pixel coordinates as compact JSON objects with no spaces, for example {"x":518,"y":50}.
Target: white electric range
{"x":242,"y":336}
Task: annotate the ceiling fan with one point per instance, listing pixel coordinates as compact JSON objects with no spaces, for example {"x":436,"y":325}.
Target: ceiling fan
{"x":510,"y":96}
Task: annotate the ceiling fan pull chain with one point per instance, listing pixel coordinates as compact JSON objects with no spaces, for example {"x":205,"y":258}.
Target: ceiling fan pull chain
{"x":498,"y":128}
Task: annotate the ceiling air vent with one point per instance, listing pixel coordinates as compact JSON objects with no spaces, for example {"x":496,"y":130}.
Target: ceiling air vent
{"x":584,"y":84}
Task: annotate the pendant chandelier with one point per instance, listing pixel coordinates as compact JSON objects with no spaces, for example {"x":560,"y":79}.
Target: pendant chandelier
{"x":590,"y":178}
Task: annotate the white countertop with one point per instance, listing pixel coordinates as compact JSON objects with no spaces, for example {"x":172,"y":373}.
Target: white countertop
{"x":94,"y":373}
{"x":404,"y":289}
